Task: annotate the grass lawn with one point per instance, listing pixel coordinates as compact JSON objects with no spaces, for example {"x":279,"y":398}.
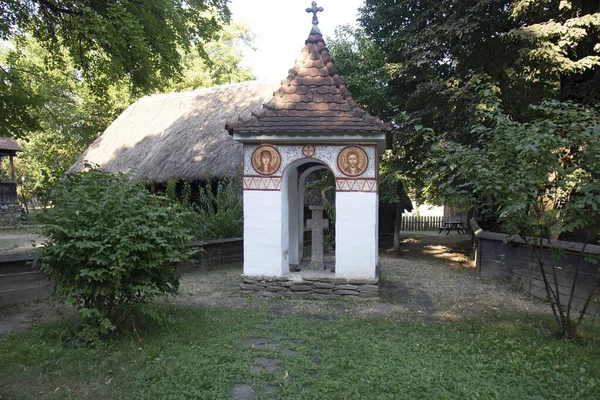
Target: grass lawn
{"x":206,"y":351}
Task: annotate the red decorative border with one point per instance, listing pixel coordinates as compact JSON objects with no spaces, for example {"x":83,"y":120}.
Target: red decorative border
{"x":262,"y":183}
{"x":339,"y":167}
{"x":369,"y":185}
{"x":260,"y":147}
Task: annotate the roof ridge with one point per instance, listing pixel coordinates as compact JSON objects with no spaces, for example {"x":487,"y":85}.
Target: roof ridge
{"x":211,"y":89}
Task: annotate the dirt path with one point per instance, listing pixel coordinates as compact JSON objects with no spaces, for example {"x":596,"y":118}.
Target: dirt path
{"x":18,"y":241}
{"x":432,"y":279}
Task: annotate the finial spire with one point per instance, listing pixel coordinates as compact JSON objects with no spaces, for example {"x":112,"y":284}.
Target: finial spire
{"x":315,"y":21}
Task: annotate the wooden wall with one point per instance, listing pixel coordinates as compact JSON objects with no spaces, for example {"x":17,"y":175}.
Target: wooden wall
{"x":515,"y":261}
{"x":8,"y":193}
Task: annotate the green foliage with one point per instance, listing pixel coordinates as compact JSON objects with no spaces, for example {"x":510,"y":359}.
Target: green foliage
{"x":111,"y":247}
{"x":430,"y":57}
{"x":363,"y":66}
{"x":495,"y":105}
{"x":139,"y":47}
{"x":202,"y":355}
{"x":74,"y":114}
{"x":72,"y":117}
{"x":540,"y":179}
{"x":325,"y":185}
{"x":216,"y":212}
{"x":113,"y":40}
{"x":225,"y":54}
{"x":220,"y":210}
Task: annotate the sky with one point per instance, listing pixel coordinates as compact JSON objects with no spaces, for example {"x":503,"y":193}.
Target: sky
{"x":282,"y":26}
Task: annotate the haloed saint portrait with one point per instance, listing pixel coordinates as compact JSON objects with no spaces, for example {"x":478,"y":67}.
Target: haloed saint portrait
{"x":266,"y":160}
{"x":352,"y":161}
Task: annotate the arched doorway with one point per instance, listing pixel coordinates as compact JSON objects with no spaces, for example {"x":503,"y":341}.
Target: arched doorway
{"x":294,"y":180}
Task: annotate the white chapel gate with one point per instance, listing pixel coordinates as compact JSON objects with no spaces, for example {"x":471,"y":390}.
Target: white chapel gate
{"x":312,"y":118}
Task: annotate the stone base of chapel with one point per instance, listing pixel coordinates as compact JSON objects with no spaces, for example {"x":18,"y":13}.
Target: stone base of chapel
{"x":316,"y":285}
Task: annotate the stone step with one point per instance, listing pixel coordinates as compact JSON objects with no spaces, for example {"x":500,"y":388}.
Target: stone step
{"x":21,"y":280}
{"x":24,"y":294}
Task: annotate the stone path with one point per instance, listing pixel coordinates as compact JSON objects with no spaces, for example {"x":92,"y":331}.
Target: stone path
{"x":267,"y":362}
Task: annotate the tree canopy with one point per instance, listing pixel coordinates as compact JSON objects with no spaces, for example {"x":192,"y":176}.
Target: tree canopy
{"x":496,"y":105}
{"x":68,"y":112}
{"x":139,"y":44}
{"x":437,"y":60}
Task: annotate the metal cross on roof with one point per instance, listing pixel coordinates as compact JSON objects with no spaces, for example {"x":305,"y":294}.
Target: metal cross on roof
{"x":314,"y":10}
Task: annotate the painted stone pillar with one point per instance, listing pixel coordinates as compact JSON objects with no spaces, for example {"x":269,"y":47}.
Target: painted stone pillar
{"x":263,"y":241}
{"x":356,"y":237}
{"x":317,"y":224}
{"x":266,"y":217}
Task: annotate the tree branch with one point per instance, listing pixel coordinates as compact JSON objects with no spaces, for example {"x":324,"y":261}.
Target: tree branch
{"x":55,"y":9}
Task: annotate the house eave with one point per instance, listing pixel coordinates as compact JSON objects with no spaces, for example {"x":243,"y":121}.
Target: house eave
{"x":377,"y":138}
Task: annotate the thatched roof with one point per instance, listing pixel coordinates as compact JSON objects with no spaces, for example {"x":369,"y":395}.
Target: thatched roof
{"x":178,"y":135}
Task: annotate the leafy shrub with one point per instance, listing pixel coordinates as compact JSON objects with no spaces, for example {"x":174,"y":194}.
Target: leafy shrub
{"x":111,"y":247}
{"x":221,"y":211}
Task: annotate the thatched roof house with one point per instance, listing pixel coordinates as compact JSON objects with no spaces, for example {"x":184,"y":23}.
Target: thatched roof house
{"x":178,"y":135}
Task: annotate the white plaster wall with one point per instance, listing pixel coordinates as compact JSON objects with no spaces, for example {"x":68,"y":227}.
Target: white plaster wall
{"x":288,"y":194}
{"x":293,"y":197}
{"x":356,"y":234}
{"x":263,"y":247}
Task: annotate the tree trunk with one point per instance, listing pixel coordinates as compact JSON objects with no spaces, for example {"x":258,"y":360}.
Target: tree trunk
{"x":397,"y":226}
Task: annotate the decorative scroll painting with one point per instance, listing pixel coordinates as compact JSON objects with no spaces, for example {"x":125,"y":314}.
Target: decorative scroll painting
{"x":354,"y":166}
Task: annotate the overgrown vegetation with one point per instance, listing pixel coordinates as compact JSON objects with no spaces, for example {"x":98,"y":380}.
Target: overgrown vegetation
{"x":216,"y":212}
{"x":140,"y":45}
{"x":58,"y":106}
{"x":202,"y":355}
{"x":540,"y":180}
{"x":111,"y":248}
{"x":323,"y":186}
{"x":496,"y":107}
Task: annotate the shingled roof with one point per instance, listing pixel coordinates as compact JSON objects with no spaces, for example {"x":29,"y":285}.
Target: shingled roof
{"x":9,"y":144}
{"x":313,"y":98}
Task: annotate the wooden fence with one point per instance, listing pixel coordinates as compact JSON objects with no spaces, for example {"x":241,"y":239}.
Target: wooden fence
{"x":427,"y":223}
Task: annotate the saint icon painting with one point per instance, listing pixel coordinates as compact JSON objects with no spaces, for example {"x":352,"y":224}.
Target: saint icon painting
{"x":352,"y":161}
{"x":266,"y":160}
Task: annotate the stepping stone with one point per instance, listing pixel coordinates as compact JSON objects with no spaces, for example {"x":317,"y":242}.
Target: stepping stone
{"x":276,"y":336}
{"x":322,"y":317}
{"x":265,"y":364}
{"x":232,"y":300}
{"x":242,"y":392}
{"x":430,"y":318}
{"x":315,"y":360}
{"x":260,"y":344}
{"x":290,"y":353}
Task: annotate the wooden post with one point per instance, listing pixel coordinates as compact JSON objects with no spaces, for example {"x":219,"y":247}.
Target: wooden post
{"x":12,"y":168}
{"x":398,"y":227}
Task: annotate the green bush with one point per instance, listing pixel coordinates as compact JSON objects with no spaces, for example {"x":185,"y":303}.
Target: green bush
{"x":220,"y":212}
{"x":111,"y":247}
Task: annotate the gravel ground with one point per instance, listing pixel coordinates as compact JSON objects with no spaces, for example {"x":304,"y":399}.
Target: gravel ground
{"x":433,"y":278}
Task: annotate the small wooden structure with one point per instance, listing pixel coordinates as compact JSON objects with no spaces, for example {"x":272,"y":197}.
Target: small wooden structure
{"x":8,"y":188}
